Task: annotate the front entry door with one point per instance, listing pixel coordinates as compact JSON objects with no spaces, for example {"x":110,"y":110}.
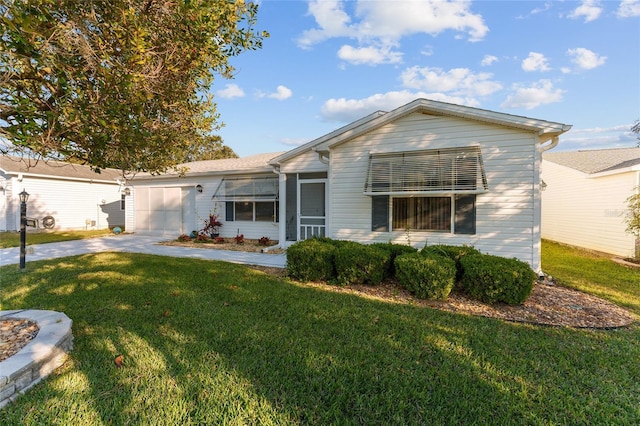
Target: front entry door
{"x":311,"y":208}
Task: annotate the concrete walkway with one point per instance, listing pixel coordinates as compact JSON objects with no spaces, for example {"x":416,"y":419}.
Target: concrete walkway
{"x":136,"y":243}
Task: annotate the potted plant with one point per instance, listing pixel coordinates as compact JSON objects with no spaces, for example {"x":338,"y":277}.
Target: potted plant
{"x":211,"y":225}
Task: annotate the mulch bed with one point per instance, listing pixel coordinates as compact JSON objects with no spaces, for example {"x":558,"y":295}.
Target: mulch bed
{"x":549,"y":304}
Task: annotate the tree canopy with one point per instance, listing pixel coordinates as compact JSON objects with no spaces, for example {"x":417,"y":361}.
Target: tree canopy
{"x":117,"y":83}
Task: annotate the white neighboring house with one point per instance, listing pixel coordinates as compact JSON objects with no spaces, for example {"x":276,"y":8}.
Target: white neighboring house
{"x":584,"y":201}
{"x":73,"y":195}
{"x":425,"y":173}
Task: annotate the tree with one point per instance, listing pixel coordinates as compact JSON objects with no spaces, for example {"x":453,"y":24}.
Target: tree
{"x":117,"y":83}
{"x":636,"y":129}
{"x":211,"y":149}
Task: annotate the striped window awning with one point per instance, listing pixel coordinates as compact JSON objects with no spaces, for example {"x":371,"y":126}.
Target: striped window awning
{"x":247,"y":189}
{"x":435,"y":171}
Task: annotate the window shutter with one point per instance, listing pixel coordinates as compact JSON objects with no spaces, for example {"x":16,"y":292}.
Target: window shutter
{"x":380,"y":213}
{"x":465,"y":216}
{"x":229,"y":211}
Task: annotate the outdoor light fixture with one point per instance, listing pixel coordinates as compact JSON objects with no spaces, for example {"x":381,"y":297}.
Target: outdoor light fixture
{"x":127,"y":192}
{"x":24,"y":196}
{"x":199,"y":188}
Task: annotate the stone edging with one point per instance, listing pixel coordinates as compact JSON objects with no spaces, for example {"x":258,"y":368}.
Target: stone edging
{"x":625,"y":263}
{"x":46,"y":352}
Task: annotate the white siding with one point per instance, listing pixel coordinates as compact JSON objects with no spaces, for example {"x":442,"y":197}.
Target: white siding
{"x":505,"y":216}
{"x":195,"y":208}
{"x":73,"y":204}
{"x":587,"y":212}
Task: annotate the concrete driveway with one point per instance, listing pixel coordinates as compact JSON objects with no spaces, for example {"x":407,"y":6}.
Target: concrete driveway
{"x":136,"y":243}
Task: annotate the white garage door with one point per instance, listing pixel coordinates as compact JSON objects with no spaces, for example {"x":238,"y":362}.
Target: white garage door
{"x":159,"y":210}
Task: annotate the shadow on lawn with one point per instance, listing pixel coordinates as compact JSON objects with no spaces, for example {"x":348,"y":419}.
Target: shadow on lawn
{"x":209,"y":342}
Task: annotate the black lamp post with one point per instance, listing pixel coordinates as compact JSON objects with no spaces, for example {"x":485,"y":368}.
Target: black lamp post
{"x":24,"y":196}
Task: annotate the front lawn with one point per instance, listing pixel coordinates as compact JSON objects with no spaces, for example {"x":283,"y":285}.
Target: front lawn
{"x":12,"y":239}
{"x":215,"y":343}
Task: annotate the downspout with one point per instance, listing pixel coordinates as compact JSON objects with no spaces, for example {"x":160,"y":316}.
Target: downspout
{"x":321,"y":157}
{"x":637,"y":250}
{"x":552,"y":144}
{"x":538,"y":268}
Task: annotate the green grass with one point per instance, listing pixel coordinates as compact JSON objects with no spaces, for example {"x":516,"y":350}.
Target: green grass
{"x":12,"y":239}
{"x":592,"y":273}
{"x":215,"y":343}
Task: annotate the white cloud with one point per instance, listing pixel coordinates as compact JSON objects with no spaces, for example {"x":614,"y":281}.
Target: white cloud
{"x":347,"y":110}
{"x":293,"y":141}
{"x":384,"y":23}
{"x":590,"y":10}
{"x":535,"y":62}
{"x":619,"y":136}
{"x":629,"y":9}
{"x":332,"y":21}
{"x":539,"y":93}
{"x":458,"y":81}
{"x":281,"y":93}
{"x":231,"y":91}
{"x":488,"y":60}
{"x":586,"y":59}
{"x":369,"y":55}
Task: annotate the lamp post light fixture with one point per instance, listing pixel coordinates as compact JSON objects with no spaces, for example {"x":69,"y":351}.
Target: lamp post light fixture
{"x":24,"y":196}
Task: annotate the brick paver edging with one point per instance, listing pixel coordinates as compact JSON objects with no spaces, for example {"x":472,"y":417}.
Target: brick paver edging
{"x":46,"y":352}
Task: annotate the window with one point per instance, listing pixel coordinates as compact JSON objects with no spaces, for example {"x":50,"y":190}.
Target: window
{"x":455,"y":213}
{"x":123,"y":199}
{"x":251,"y":199}
{"x":432,"y":190}
{"x":252,"y":211}
{"x":422,"y":213}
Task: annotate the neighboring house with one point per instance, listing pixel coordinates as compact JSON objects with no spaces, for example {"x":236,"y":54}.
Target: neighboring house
{"x":425,"y":173}
{"x":584,"y":201}
{"x":72,"y":195}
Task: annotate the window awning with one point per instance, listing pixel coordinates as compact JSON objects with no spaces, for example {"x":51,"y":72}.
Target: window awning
{"x":435,"y":171}
{"x":247,"y":189}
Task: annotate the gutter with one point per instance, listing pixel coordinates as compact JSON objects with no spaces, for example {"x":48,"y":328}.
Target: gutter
{"x":322,"y":155}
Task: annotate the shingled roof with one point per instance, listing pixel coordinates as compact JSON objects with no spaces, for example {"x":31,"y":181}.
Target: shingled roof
{"x":597,"y":160}
{"x":55,"y":169}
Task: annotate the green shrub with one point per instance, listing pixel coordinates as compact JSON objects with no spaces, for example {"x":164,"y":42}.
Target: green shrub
{"x":311,"y":260}
{"x":357,"y":263}
{"x":428,"y":276}
{"x":392,"y":251}
{"x":496,"y":279}
{"x":452,"y":252}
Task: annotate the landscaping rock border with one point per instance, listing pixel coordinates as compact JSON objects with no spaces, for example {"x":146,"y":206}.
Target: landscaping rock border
{"x":40,"y":357}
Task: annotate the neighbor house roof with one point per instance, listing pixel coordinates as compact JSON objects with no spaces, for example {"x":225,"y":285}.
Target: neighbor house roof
{"x":55,"y":169}
{"x":546,"y":130}
{"x":597,"y":160}
{"x":251,"y":164}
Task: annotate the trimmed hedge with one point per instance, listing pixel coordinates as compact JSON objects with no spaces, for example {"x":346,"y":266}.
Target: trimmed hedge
{"x":311,"y":260}
{"x":452,"y":252}
{"x":392,"y":250}
{"x":359,"y":264}
{"x":428,"y":276}
{"x":494,"y":279}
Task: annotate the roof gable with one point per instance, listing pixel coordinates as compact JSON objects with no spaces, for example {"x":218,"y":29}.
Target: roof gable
{"x":545,"y":129}
{"x":55,"y":169}
{"x":597,"y":160}
{"x":251,"y":164}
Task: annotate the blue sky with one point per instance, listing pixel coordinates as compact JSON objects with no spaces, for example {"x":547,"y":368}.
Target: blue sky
{"x":328,"y":63}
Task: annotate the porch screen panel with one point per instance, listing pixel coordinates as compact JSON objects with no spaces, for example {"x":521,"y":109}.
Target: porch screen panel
{"x":291,"y":207}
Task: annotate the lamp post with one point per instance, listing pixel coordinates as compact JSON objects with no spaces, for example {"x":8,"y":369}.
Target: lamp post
{"x":24,"y":196}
